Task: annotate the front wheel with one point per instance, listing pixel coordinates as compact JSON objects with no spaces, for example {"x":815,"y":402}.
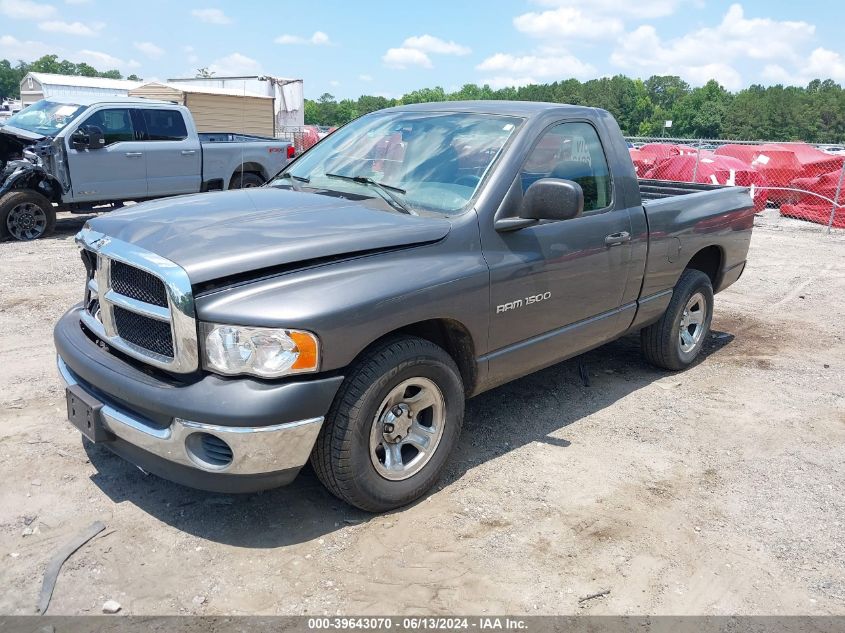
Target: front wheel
{"x":392,"y":426}
{"x":26,"y":215}
{"x":677,"y":339}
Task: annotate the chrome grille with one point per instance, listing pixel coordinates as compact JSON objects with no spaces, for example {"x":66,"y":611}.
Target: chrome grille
{"x":138,"y":284}
{"x":139,"y":303}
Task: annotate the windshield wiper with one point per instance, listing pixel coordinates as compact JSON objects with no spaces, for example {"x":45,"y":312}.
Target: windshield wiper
{"x":386,"y":191}
{"x":294,"y":179}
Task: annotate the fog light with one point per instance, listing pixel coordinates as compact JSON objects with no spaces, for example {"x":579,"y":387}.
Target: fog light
{"x":208,"y":451}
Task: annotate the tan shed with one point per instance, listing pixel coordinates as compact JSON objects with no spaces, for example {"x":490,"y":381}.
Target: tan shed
{"x":217,"y":109}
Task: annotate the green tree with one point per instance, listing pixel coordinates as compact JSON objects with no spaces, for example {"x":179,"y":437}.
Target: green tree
{"x":666,"y":90}
{"x":700,"y":113}
{"x":425,"y":95}
{"x":311,"y":113}
{"x":10,"y":78}
{"x":813,"y":114}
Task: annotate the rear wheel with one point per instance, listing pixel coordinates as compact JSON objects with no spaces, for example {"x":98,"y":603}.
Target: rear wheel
{"x":394,"y":422}
{"x":677,"y":339}
{"x":245,"y":180}
{"x":26,"y":215}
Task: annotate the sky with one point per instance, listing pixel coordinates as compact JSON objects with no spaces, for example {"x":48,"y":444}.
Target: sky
{"x":389,"y":48}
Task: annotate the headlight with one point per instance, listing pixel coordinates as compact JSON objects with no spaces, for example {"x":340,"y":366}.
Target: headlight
{"x":263,"y":352}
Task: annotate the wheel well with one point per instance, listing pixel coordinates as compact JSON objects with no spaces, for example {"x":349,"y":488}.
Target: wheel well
{"x":709,"y":261}
{"x":255,"y":168}
{"x":453,"y":337}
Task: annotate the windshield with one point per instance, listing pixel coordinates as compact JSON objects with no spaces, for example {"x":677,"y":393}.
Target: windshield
{"x":45,"y":117}
{"x":424,"y":161}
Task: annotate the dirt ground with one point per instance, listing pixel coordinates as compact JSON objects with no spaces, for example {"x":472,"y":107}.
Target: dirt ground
{"x":718,"y":490}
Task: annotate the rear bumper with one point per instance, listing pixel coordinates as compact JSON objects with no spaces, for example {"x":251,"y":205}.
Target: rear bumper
{"x":156,"y":424}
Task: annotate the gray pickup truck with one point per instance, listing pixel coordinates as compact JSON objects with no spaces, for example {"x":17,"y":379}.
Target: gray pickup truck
{"x":342,"y":313}
{"x":101,"y":152}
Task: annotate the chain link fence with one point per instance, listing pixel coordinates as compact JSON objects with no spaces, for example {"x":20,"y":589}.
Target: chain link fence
{"x":796,"y":180}
{"x":304,"y":136}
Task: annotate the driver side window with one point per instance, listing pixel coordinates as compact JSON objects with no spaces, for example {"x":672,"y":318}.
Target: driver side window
{"x":116,"y":124}
{"x":571,"y":151}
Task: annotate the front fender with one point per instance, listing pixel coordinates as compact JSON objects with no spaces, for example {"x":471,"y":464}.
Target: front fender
{"x":350,"y":304}
{"x":22,"y":174}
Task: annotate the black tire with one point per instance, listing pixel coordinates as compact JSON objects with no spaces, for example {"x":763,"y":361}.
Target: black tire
{"x":342,"y":454}
{"x":661,"y":342}
{"x":245,"y":180}
{"x":26,"y":215}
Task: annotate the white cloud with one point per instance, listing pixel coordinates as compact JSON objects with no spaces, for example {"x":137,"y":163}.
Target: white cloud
{"x":211,"y":16}
{"x":72,"y":28}
{"x":133,"y":63}
{"x":499,"y":82}
{"x":569,"y":22}
{"x":320,"y":39}
{"x":290,"y":39}
{"x":365,"y":77}
{"x":546,"y":64}
{"x":712,"y":52}
{"x":825,"y":64}
{"x":99,"y":60}
{"x":78,"y":1}
{"x":13,"y":49}
{"x":822,"y":63}
{"x":430,"y":44}
{"x":317,"y":39}
{"x":415,"y":51}
{"x":334,"y":83}
{"x":149,"y":49}
{"x":26,"y":10}
{"x":642,"y":9}
{"x":192,"y":56}
{"x":401,"y":58}
{"x":234,"y":65}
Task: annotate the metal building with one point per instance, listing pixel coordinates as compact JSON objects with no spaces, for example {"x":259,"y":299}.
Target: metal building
{"x":37,"y":86}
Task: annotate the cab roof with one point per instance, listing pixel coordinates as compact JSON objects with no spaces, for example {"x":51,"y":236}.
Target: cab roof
{"x":525,"y":109}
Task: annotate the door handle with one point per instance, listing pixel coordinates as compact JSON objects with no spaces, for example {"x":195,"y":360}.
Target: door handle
{"x":134,"y":154}
{"x":615,"y":239}
{"x":188,"y":152}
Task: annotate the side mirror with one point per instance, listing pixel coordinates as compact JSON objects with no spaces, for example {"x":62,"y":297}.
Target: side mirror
{"x":88,"y":137}
{"x":552,"y":199}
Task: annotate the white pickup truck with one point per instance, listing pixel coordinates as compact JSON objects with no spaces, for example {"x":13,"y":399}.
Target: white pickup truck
{"x":100,"y":152}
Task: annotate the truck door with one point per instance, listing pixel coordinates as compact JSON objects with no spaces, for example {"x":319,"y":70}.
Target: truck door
{"x":557,"y":286}
{"x":117,"y":170}
{"x":173,"y":155}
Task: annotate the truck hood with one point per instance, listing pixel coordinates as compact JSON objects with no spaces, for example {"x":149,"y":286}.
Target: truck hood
{"x":14,"y":140}
{"x":217,"y":235}
{"x":27,"y":137}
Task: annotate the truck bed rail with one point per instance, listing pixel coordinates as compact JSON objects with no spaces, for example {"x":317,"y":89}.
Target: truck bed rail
{"x":656,"y":189}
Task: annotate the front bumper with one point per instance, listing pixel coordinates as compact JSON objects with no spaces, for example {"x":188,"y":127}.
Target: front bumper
{"x":150,"y":420}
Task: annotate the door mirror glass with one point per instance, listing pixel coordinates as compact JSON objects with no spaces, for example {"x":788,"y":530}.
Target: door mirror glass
{"x":552,"y":199}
